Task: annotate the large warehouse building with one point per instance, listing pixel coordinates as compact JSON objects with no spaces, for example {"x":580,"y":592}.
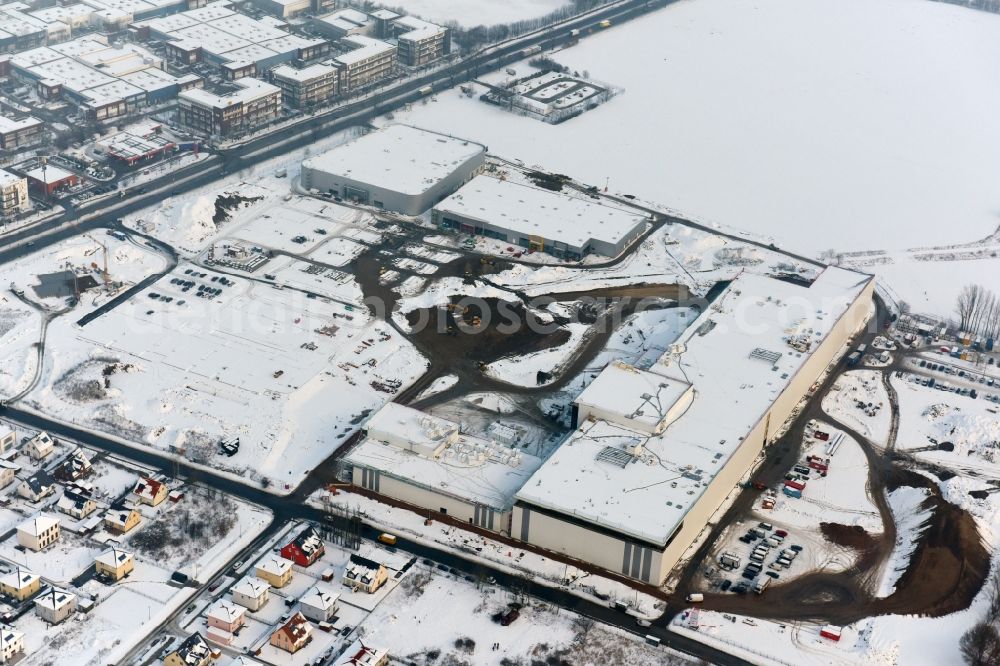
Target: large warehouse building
{"x":561,"y":224}
{"x":637,"y":482}
{"x":427,"y":462}
{"x":398,"y":168}
{"x":650,"y":461}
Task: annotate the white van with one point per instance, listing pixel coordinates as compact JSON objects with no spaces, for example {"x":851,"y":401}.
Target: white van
{"x":695,"y":598}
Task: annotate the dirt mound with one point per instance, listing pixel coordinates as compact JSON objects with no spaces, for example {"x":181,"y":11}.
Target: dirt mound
{"x":850,"y":536}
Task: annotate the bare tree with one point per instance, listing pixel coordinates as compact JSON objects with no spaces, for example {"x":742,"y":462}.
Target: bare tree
{"x":980,"y":646}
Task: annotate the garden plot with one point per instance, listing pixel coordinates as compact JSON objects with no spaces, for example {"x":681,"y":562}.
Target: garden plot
{"x":61,"y":562}
{"x":955,"y":431}
{"x":290,"y":376}
{"x":859,"y":400}
{"x":124,"y":612}
{"x":196,"y":535}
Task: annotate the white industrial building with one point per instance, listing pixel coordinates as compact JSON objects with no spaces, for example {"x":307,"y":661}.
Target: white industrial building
{"x":397,"y":168}
{"x":427,"y":462}
{"x":565,"y":225}
{"x":656,"y":453}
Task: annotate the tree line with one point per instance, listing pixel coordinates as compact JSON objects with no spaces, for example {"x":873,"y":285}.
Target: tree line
{"x":978,"y":311}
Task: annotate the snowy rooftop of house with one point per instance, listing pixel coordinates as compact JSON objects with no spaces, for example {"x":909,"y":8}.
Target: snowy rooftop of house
{"x":226,"y":611}
{"x":11,"y":125}
{"x":738,"y":357}
{"x":113,"y":557}
{"x":320,"y":597}
{"x":38,"y":525}
{"x":647,"y":398}
{"x":530,"y":210}
{"x":55,"y":599}
{"x":251,"y":586}
{"x":469,"y":468}
{"x":8,"y":637}
{"x":398,"y":158}
{"x":274,"y":565}
{"x":365,"y":47}
{"x":300,"y":75}
{"x":18,"y":578}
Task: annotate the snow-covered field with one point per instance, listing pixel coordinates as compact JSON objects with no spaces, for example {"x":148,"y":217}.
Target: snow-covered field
{"x":859,"y":400}
{"x":934,"y":417}
{"x":820,"y":109}
{"x":470,"y":13}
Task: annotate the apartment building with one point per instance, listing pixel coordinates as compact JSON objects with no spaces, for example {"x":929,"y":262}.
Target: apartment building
{"x":419,"y":41}
{"x":308,"y":86}
{"x":24,"y":133}
{"x":252,"y":104}
{"x":13,"y":193}
{"x":370,"y":60}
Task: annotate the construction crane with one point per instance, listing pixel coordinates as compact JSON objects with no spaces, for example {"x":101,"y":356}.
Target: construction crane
{"x":105,"y":275}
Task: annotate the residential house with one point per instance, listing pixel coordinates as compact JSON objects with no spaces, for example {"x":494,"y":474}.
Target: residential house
{"x":40,"y":446}
{"x":55,"y":605}
{"x":224,"y":620}
{"x":251,"y":593}
{"x":366,"y":656}
{"x":37,"y":487}
{"x":364,"y":574}
{"x":77,"y":501}
{"x":20,"y":584}
{"x":275,"y":570}
{"x":11,"y":644}
{"x":121,"y":519}
{"x":194,"y":651}
{"x":319,"y":604}
{"x":38,"y":533}
{"x":150,"y":491}
{"x":8,"y":438}
{"x":8,"y":472}
{"x":304,"y":549}
{"x":293,"y":635}
{"x":76,"y":466}
{"x":114,"y":564}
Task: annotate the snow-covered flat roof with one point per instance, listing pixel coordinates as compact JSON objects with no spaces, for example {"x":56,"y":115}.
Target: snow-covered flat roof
{"x":6,"y":180}
{"x":398,"y":158}
{"x":249,"y":90}
{"x":469,"y":468}
{"x":11,"y":125}
{"x":366,"y":48}
{"x":529,"y":210}
{"x":737,"y":356}
{"x":301,"y":75}
{"x":647,"y":399}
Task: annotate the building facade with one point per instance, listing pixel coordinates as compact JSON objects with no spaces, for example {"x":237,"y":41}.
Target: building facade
{"x":308,"y":86}
{"x":368,"y":61}
{"x":252,"y":105}
{"x":13,"y":193}
{"x":20,"y":134}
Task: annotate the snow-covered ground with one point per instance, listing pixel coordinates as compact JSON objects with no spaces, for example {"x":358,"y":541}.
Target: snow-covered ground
{"x":825,"y":114}
{"x":523,"y":369}
{"x":471,"y":13}
{"x":911,"y":519}
{"x":934,"y":418}
{"x":859,"y":400}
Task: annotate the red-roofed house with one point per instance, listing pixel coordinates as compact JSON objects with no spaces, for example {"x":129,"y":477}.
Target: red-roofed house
{"x":150,"y":491}
{"x":304,"y":549}
{"x":293,"y":635}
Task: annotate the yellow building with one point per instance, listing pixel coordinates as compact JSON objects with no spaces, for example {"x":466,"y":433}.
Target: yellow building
{"x":122,"y":520}
{"x":275,"y":571}
{"x":20,"y":584}
{"x":114,"y":564}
